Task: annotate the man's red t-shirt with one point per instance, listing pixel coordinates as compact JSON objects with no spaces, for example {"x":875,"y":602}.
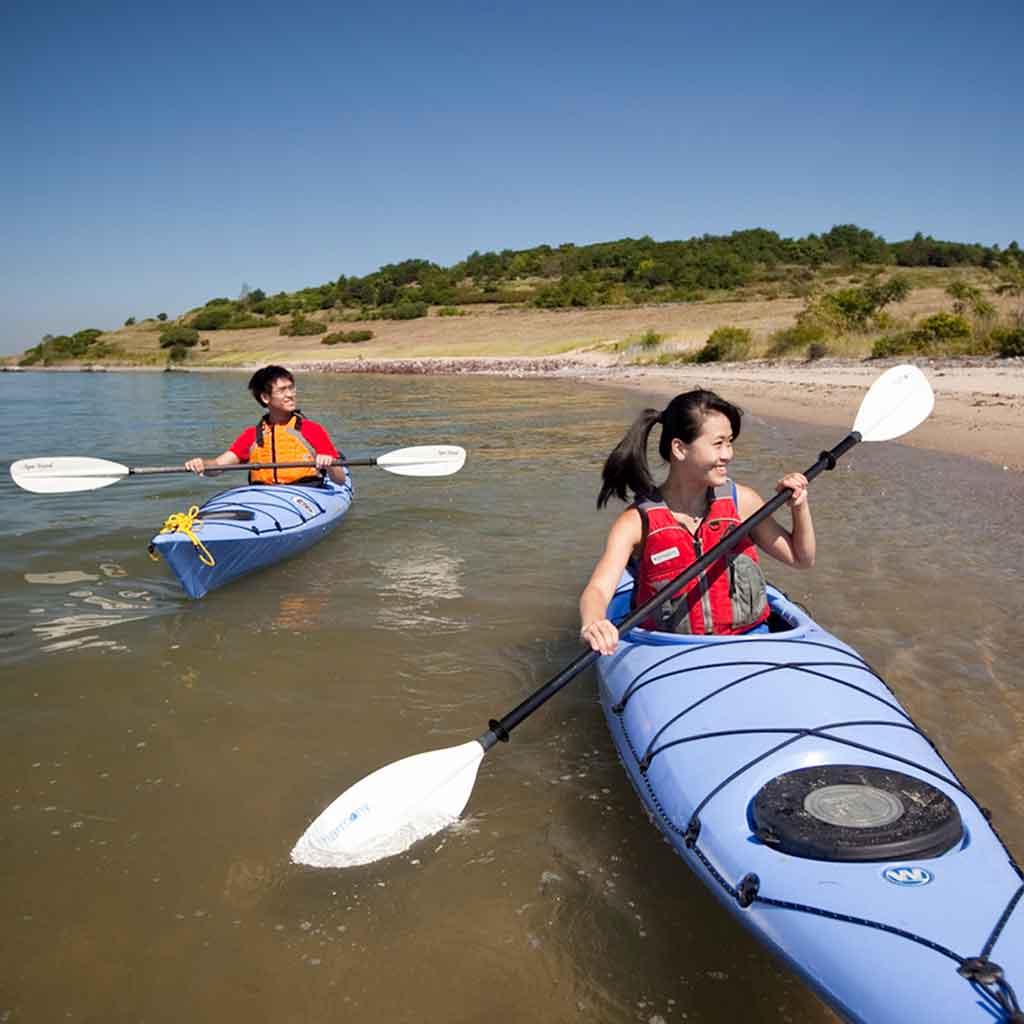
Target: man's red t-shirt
{"x":312,"y":432}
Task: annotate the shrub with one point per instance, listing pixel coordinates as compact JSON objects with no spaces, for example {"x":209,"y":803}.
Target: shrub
{"x":803,"y":333}
{"x":935,"y":333}
{"x":1009,"y":341}
{"x":451,"y":311}
{"x":404,"y":310}
{"x":570,"y":291}
{"x":299,"y":326}
{"x":178,"y":353}
{"x":968,"y":298}
{"x":212,"y":318}
{"x":942,"y":328}
{"x":894,"y":345}
{"x":280,"y":304}
{"x":651,"y":339}
{"x":346,"y":337}
{"x":161,"y":317}
{"x":80,"y":345}
{"x":816,"y":350}
{"x":187,"y":337}
{"x":130,"y":322}
{"x":726,"y":344}
{"x":241,"y":321}
{"x":670,"y":358}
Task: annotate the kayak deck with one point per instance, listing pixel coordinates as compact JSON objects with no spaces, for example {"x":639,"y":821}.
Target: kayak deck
{"x":248,"y":528}
{"x":704,"y":724}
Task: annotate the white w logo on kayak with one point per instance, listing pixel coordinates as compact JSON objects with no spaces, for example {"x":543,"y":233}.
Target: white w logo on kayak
{"x":907,"y":876}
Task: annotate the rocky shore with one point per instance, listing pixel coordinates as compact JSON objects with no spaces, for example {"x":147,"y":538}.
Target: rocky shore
{"x":979,"y":406}
{"x":527,"y":366}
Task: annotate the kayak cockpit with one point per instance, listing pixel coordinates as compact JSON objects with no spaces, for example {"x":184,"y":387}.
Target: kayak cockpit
{"x":787,"y":620}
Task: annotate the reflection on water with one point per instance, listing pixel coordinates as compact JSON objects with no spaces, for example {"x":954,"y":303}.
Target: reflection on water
{"x":59,"y":578}
{"x":301,"y":612}
{"x":75,"y":630}
{"x":70,"y":625}
{"x":415,"y":579}
{"x":149,"y":800}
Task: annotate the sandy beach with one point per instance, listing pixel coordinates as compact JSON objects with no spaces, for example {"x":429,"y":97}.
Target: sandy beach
{"x":979,"y":407}
{"x":979,"y":403}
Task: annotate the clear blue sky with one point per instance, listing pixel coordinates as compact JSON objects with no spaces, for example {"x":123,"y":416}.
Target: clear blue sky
{"x":158,"y":155}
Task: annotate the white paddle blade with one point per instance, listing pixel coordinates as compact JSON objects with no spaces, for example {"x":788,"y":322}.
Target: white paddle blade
{"x":898,"y":401}
{"x":388,"y":811}
{"x":424,"y":460}
{"x":64,"y":474}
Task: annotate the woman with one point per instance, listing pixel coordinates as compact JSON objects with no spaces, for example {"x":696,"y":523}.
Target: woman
{"x":668,"y":527}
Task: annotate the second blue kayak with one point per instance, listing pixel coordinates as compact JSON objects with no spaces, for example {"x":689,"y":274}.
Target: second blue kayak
{"x":786,"y":774}
{"x":248,"y":528}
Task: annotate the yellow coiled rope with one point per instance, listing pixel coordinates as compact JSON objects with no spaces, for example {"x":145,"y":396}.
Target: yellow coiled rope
{"x":182,"y":522}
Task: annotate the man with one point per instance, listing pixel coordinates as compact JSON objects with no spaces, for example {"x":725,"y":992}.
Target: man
{"x":282,"y":435}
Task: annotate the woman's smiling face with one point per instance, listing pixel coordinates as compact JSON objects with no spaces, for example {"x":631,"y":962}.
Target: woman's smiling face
{"x":708,"y":456}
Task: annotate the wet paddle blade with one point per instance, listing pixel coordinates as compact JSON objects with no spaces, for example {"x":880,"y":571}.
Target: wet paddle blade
{"x":64,"y":474}
{"x":424,"y":460}
{"x":388,"y":811}
{"x":898,"y":401}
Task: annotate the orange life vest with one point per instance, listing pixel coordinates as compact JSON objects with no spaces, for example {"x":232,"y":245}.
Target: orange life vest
{"x":282,"y":442}
{"x":729,"y":597}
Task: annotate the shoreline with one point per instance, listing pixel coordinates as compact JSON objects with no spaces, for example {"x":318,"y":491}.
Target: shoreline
{"x":979,"y":410}
{"x":979,"y":402}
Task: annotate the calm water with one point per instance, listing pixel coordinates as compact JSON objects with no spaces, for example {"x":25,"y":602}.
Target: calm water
{"x":159,"y":757}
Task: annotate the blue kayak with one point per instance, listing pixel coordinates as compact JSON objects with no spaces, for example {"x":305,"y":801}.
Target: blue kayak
{"x":786,"y":774}
{"x":248,"y":528}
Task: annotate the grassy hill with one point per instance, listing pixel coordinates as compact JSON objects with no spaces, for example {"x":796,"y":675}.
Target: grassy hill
{"x":847,"y":292}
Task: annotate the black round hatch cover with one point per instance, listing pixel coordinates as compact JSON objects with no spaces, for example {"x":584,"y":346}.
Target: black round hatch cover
{"x":848,"y":812}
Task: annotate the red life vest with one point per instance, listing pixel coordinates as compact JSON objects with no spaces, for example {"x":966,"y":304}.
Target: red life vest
{"x":282,"y":442}
{"x":729,"y":597}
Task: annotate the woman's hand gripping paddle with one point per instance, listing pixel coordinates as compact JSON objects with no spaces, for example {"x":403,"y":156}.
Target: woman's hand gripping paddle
{"x":400,"y":803}
{"x":62,"y":475}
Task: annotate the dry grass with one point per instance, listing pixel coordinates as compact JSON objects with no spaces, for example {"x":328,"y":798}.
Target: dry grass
{"x":499,"y":331}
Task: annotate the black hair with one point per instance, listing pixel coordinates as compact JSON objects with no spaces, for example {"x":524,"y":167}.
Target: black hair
{"x":626,"y":470}
{"x":262,"y":381}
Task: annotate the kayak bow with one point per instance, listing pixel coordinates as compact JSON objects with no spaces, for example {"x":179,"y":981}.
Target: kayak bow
{"x":786,"y":774}
{"x":248,"y":528}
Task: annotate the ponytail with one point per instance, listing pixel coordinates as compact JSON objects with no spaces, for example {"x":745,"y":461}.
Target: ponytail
{"x":626,"y":467}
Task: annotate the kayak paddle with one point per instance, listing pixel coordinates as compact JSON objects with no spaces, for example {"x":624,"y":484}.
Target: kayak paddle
{"x":389,"y":810}
{"x":62,"y":475}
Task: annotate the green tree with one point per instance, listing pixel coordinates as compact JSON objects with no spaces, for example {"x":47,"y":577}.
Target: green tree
{"x":178,"y":335}
{"x":854,"y":309}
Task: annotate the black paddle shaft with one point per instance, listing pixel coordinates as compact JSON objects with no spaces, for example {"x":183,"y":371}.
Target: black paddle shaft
{"x":499,"y":730}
